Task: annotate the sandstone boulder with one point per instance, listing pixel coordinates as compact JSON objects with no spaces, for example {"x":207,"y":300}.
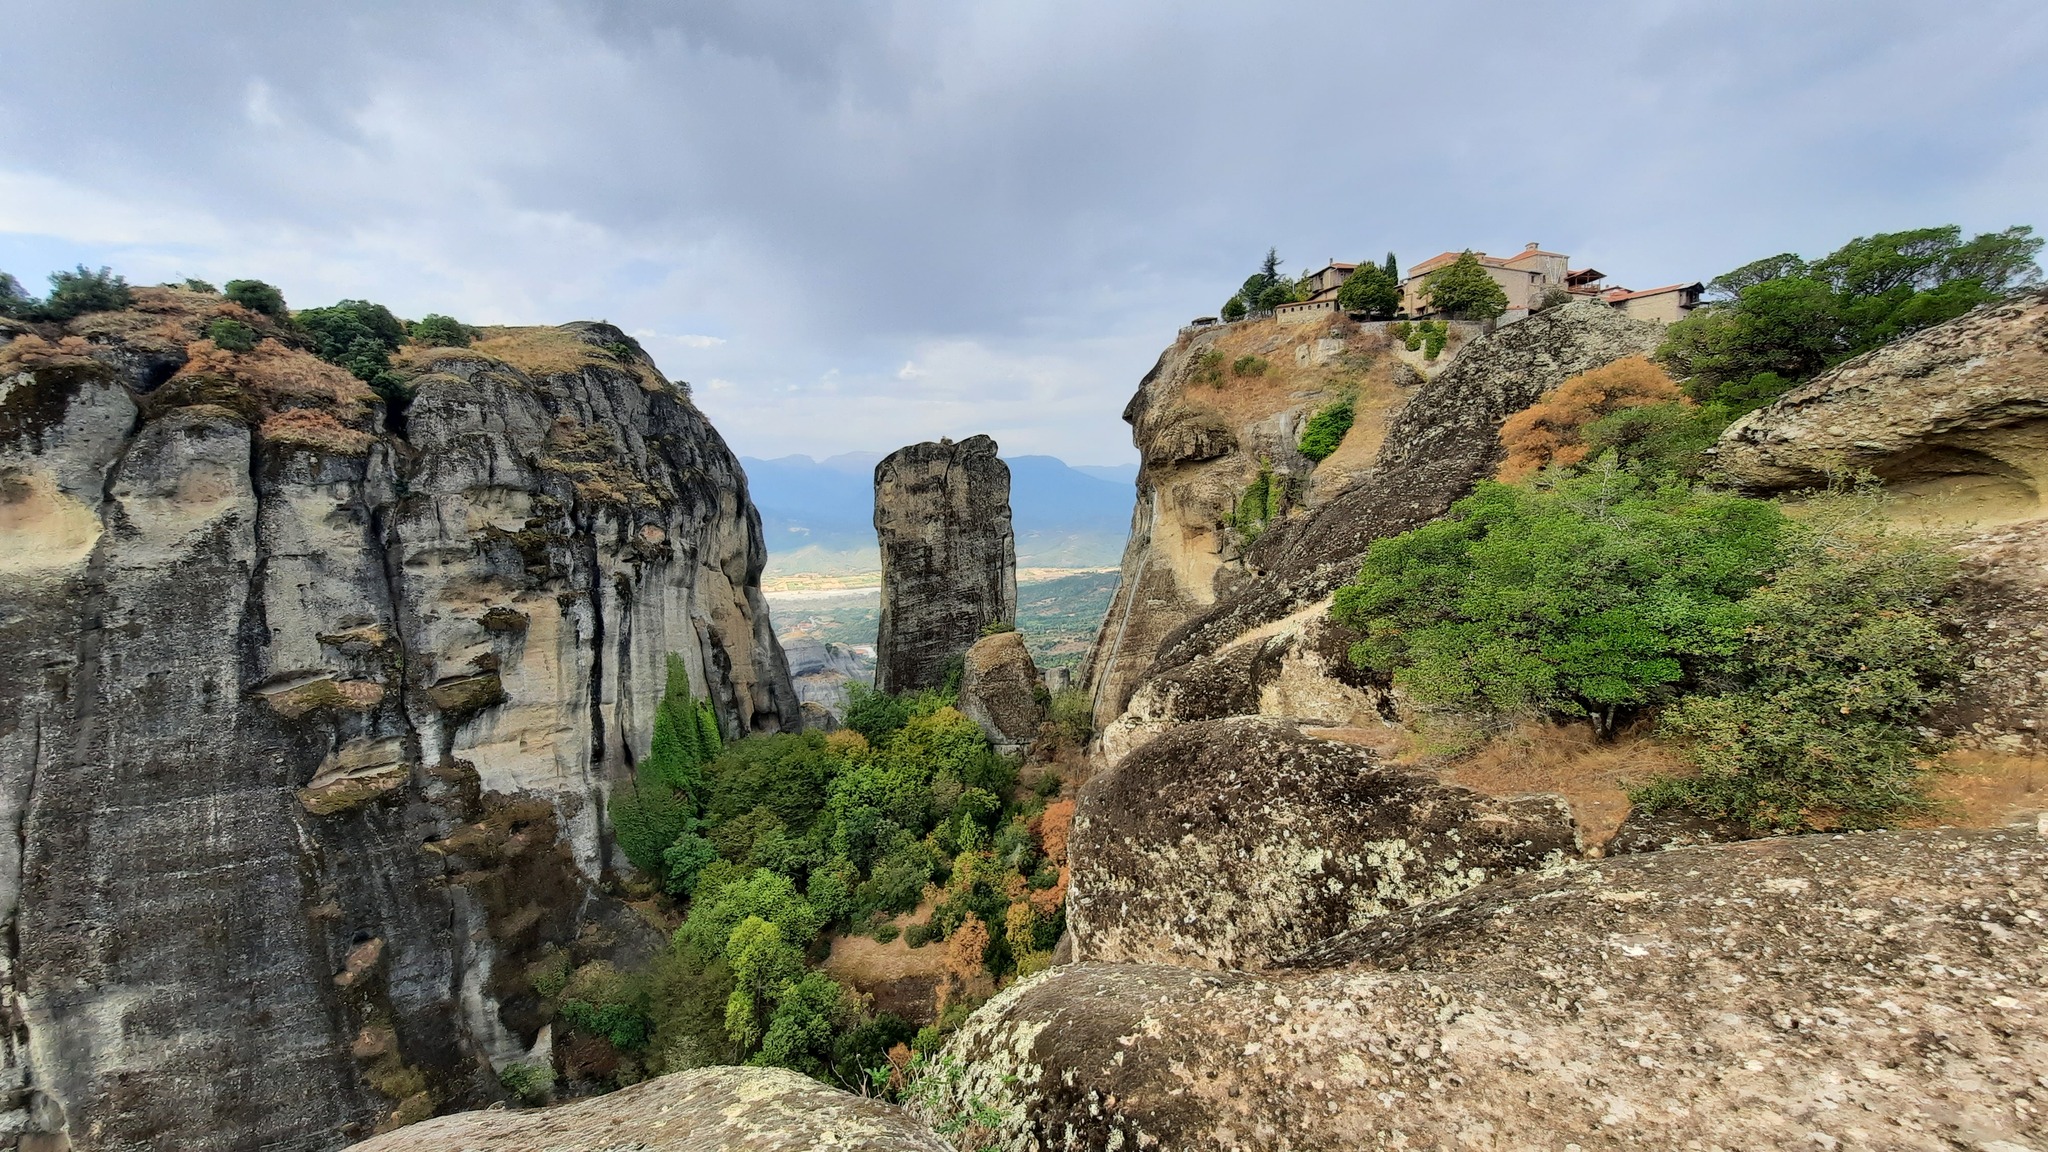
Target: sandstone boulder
{"x":706,"y":1110}
{"x":999,"y":690}
{"x":1882,"y":990}
{"x":1234,"y":843}
{"x":1958,"y":413}
{"x":949,"y":557}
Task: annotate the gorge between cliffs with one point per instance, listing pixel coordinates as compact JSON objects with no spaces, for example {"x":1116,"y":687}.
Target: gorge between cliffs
{"x":410,"y":763}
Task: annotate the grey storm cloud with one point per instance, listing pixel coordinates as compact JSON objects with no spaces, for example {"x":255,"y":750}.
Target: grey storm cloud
{"x":858,"y":224}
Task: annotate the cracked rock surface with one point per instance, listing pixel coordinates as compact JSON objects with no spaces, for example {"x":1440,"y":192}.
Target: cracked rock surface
{"x":1881,"y":990}
{"x":310,"y":711}
{"x":707,"y":1110}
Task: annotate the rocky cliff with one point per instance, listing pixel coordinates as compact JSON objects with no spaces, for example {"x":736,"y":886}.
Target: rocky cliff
{"x":949,"y":557}
{"x":310,"y":708}
{"x":1194,"y":582}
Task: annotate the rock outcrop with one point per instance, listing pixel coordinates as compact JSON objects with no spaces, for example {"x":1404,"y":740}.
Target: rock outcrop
{"x":309,"y":711}
{"x":949,"y":557}
{"x":708,"y":1110}
{"x":1192,"y":583}
{"x":1954,"y":419}
{"x":1236,"y":843}
{"x":1880,"y":990}
{"x":1000,"y":691}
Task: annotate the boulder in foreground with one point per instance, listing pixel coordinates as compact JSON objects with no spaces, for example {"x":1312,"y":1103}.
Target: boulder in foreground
{"x":1883,"y":990}
{"x":706,"y":1110}
{"x":1232,"y":843}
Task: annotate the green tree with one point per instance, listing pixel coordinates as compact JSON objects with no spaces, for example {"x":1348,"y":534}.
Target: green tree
{"x":359,"y":336}
{"x":810,"y":1012}
{"x":1234,"y":308}
{"x":1370,"y":289}
{"x":231,"y":334}
{"x":81,"y":291}
{"x":1580,"y":596}
{"x":1464,"y":290}
{"x":1325,"y":430}
{"x":763,"y":964}
{"x":1392,"y":270}
{"x":436,"y":331}
{"x":14,"y":301}
{"x":647,"y":818}
{"x":1781,"y":320}
{"x":258,"y":297}
{"x":1822,"y":722}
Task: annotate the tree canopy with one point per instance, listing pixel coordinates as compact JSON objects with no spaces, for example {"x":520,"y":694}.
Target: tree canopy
{"x":1371,"y":289}
{"x":1465,"y":290}
{"x":1782,"y":319}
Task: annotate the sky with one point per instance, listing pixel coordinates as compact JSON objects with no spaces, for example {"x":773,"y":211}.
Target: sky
{"x":856,"y":225}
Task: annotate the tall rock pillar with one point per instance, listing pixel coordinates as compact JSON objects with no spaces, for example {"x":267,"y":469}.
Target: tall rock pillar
{"x":949,"y":558}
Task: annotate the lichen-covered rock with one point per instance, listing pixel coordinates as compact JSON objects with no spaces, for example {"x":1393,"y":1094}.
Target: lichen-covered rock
{"x":949,"y":557}
{"x":707,"y":1110}
{"x":999,"y":690}
{"x":1881,"y":990}
{"x":280,"y":677}
{"x":1296,"y":669}
{"x":1235,"y":843}
{"x":1954,"y":416}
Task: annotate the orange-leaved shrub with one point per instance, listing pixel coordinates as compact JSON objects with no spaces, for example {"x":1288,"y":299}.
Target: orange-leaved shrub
{"x":1552,"y":430}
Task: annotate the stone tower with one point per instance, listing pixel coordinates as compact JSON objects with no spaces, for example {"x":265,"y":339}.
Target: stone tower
{"x":949,"y":558}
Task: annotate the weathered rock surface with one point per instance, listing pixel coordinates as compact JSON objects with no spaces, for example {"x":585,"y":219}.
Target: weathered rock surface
{"x":999,"y":690}
{"x":821,"y":671}
{"x":1954,"y":418}
{"x":707,"y":1110}
{"x":1440,"y":443}
{"x":1297,"y":668}
{"x":2002,"y":614}
{"x":1189,"y":588}
{"x":949,"y":557}
{"x":1882,"y":990}
{"x":308,"y":726}
{"x":1236,"y":843}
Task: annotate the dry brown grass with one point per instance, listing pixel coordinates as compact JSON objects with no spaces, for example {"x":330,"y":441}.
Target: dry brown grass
{"x":32,"y":353}
{"x":1551,"y":430}
{"x":1980,"y":789}
{"x":544,"y":351}
{"x":1569,"y":760}
{"x":282,"y":378}
{"x":312,"y":428}
{"x":418,"y":359}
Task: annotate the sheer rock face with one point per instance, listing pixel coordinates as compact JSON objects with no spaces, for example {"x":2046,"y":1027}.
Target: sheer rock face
{"x":1954,"y":419}
{"x":308,"y":725}
{"x":1880,"y":990}
{"x":1236,"y":843}
{"x":999,"y":689}
{"x":1187,"y":591}
{"x":949,"y":557}
{"x":708,"y":1110}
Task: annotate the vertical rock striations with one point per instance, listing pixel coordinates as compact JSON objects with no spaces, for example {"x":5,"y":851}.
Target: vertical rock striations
{"x":308,"y":718}
{"x":949,"y":558}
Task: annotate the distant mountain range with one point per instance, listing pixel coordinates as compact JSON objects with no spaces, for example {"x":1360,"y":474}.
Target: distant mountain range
{"x":819,"y":514}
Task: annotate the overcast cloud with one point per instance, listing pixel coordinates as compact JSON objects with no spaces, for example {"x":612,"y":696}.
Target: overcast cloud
{"x":856,"y":225}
